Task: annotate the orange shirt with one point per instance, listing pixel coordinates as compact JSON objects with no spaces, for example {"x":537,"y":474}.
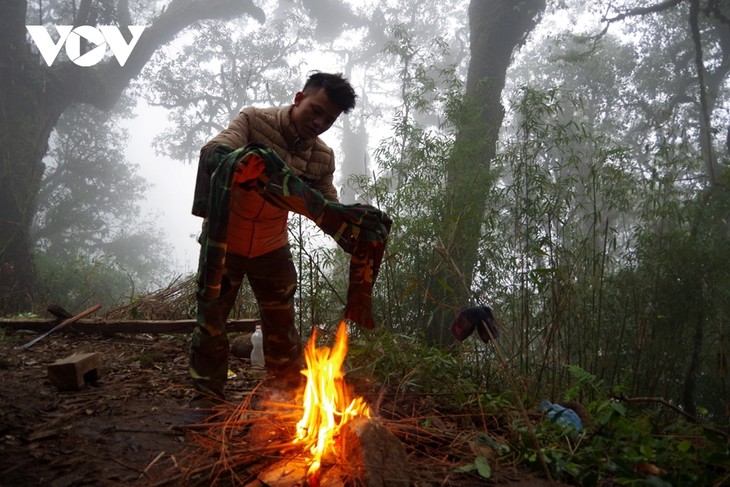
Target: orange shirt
{"x":255,"y":227}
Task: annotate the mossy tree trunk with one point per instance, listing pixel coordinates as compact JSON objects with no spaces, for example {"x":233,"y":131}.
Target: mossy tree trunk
{"x":33,"y":97}
{"x":497,"y":28}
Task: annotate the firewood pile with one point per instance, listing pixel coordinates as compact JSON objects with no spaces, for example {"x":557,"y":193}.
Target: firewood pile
{"x":174,"y":302}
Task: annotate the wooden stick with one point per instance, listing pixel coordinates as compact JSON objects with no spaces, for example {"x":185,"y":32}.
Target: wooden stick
{"x":106,"y":326}
{"x":62,"y":324}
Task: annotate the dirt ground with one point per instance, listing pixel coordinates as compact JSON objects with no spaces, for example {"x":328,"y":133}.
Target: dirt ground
{"x":107,"y":433}
{"x":129,"y":427}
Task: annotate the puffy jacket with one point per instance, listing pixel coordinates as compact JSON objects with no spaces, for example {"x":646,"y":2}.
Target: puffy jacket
{"x":256,"y":227}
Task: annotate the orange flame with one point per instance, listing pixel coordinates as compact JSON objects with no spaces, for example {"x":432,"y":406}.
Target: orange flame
{"x":326,"y":406}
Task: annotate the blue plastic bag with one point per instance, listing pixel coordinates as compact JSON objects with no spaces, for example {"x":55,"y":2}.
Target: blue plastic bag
{"x":565,"y":417}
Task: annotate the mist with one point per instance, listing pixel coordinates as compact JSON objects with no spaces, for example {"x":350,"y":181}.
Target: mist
{"x":169,"y":199}
{"x":566,"y":163}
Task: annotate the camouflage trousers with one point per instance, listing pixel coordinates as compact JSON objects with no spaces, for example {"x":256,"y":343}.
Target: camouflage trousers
{"x":273,"y":279}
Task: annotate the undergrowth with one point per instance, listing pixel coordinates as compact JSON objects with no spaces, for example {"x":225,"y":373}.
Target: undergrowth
{"x":630,"y":445}
{"x":623,"y":441}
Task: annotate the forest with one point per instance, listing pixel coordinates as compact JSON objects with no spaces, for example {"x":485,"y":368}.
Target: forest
{"x":564,"y":162}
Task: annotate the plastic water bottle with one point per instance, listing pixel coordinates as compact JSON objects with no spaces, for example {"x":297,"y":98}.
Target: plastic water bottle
{"x":257,"y":354}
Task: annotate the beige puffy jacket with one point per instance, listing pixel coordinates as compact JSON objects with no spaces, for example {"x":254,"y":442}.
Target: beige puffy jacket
{"x":256,"y":227}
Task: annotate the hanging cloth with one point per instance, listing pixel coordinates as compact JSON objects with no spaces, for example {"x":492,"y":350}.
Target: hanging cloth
{"x":360,"y":230}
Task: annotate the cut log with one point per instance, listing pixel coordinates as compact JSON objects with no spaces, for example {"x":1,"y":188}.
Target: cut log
{"x":370,"y":456}
{"x":73,"y":372}
{"x":120,"y":326}
{"x":285,"y":473}
{"x":58,"y":311}
{"x":373,"y":455}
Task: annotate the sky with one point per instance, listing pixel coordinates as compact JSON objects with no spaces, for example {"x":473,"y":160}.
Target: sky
{"x":170,"y":196}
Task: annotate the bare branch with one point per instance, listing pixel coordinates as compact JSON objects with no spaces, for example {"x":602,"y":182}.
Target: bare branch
{"x":651,"y":9}
{"x":103,"y":85}
{"x":635,"y":12}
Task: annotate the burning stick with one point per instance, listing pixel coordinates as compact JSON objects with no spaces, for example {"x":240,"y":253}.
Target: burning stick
{"x":326,"y":406}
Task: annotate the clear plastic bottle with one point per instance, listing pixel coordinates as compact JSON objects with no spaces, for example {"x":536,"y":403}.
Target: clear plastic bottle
{"x":257,"y":353}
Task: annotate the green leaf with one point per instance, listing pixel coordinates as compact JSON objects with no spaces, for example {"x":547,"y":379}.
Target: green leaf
{"x":469,"y":467}
{"x":618,"y":408}
{"x":684,"y":446}
{"x":657,"y":482}
{"x":483,"y":467}
{"x":460,"y":397}
{"x":647,"y":451}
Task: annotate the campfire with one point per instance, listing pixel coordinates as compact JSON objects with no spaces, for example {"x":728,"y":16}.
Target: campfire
{"x":323,"y":437}
{"x":327,"y":404}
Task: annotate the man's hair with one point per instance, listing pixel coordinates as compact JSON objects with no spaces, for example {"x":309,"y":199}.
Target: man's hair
{"x":336,"y":86}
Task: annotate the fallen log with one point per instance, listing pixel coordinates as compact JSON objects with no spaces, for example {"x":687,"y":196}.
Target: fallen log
{"x":98,"y":326}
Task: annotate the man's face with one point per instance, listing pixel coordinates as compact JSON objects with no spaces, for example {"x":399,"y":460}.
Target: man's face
{"x":313,"y":113}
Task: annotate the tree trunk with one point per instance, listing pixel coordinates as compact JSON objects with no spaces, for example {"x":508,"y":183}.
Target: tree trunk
{"x":689,"y":389}
{"x":33,"y":97}
{"x":497,"y":27}
{"x":28,"y":115}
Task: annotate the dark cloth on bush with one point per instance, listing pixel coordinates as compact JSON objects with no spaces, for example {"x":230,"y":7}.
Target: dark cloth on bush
{"x":478,"y":318}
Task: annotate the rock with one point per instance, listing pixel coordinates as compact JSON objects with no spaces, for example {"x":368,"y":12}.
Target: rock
{"x":241,"y":346}
{"x":6,"y":362}
{"x":373,"y":455}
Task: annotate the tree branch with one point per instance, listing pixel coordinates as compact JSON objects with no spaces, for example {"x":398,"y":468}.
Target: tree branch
{"x":677,"y":409}
{"x":651,"y":9}
{"x":102,"y":86}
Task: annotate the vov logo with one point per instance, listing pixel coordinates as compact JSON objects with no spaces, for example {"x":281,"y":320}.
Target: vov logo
{"x":70,"y":36}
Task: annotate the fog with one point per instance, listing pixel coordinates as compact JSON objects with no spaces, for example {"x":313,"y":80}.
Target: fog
{"x":572,"y":176}
{"x":169,"y":198}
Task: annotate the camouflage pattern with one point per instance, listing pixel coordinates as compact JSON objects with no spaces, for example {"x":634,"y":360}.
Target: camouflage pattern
{"x":360,"y":230}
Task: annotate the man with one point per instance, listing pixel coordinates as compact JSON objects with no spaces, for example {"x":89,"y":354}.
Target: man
{"x":257,"y":240}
